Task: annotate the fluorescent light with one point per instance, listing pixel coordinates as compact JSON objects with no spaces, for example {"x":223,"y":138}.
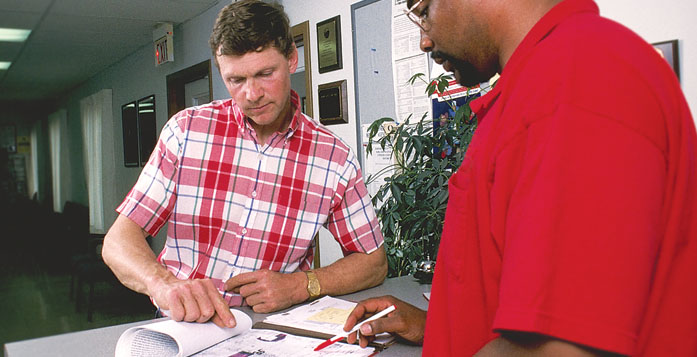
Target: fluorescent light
{"x":14,"y":35}
{"x":5,"y":65}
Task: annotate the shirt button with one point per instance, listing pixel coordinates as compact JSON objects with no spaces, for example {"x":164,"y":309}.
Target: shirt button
{"x":244,"y":230}
{"x":254,"y":193}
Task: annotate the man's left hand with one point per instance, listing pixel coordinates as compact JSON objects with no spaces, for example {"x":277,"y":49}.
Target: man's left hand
{"x":268,"y":291}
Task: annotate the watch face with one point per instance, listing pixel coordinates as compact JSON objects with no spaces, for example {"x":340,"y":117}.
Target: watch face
{"x":313,"y":285}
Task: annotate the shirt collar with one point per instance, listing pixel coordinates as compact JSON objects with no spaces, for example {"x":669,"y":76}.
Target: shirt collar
{"x":295,"y":122}
{"x":542,"y":28}
{"x":297,"y":113}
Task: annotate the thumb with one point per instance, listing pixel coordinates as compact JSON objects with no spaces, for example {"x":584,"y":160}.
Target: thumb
{"x":366,"y":329}
{"x":377,"y":326}
{"x":385,"y":324}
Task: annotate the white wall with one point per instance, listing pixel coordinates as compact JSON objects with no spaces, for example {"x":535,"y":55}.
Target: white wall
{"x":658,"y":21}
{"x":316,"y":11}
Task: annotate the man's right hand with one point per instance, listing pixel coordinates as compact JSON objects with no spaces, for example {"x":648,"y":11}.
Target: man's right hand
{"x":193,"y":301}
{"x":407,"y":321}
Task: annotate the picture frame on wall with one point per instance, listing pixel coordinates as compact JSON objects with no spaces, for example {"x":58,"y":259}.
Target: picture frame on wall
{"x":147,"y":128}
{"x":333,"y":107}
{"x":329,"y":44}
{"x":129,"y":124}
{"x":139,"y":131}
{"x":669,"y":51}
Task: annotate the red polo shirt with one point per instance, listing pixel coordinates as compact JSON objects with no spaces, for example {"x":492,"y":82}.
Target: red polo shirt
{"x":574,"y":213}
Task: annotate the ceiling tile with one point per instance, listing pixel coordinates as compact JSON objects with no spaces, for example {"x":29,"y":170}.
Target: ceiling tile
{"x":24,"y":5}
{"x":77,"y":39}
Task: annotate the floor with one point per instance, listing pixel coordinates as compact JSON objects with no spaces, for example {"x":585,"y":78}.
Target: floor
{"x":35,"y":296}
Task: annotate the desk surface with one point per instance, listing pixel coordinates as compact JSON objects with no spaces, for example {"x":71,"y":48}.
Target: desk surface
{"x":102,"y":341}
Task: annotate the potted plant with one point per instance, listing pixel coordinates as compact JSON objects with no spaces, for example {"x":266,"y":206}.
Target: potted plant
{"x":412,"y":200}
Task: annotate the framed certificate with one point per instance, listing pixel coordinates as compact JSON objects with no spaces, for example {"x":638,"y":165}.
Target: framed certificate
{"x":332,"y":103}
{"x":329,"y":44}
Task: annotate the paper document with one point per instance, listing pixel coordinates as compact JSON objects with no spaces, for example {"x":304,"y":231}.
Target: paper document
{"x":322,"y":318}
{"x":269,"y":343}
{"x":170,"y":338}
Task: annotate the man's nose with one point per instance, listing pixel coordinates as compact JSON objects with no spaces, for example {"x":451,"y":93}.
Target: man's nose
{"x":426,"y":44}
{"x":253,"y":92}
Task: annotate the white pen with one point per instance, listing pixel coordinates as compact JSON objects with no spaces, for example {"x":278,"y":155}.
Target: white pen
{"x":340,"y":336}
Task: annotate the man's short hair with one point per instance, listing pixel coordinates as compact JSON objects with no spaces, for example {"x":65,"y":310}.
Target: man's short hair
{"x":251,"y":25}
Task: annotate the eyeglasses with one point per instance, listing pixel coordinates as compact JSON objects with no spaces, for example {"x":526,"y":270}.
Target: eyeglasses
{"x":421,"y":19}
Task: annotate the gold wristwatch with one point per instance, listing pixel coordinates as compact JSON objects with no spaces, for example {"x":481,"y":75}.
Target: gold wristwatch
{"x":313,"y":287}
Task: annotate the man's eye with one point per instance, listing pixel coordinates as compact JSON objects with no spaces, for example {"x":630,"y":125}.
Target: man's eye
{"x":424,"y":13}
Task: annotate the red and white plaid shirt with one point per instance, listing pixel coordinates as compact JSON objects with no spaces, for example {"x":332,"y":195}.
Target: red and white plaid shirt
{"x":234,"y":206}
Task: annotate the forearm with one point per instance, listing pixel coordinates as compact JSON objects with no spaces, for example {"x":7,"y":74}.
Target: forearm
{"x":128,"y":255}
{"x":353,"y":272}
{"x":530,"y":344}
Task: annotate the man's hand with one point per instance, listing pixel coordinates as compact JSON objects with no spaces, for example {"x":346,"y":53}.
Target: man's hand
{"x":407,"y":321}
{"x":267,"y":291}
{"x":193,"y":301}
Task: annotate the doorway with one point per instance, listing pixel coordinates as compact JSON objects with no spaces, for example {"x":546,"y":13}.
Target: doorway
{"x":301,"y":80}
{"x":188,"y":87}
{"x":301,"y":83}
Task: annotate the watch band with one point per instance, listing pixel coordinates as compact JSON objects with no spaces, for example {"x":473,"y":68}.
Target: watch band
{"x":313,"y":287}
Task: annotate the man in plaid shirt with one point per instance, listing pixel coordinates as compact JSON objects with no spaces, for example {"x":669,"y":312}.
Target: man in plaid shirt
{"x":244,"y":185}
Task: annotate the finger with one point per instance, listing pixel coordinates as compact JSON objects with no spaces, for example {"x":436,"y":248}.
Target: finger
{"x":222,"y":315}
{"x":216,"y":319}
{"x":240,"y":280}
{"x":355,"y":315}
{"x":251,"y":297}
{"x":352,"y":338}
{"x":191,"y":311}
{"x":264,"y":307}
{"x":248,"y":290}
{"x":364,"y":340}
{"x":205,"y":307}
{"x":365,"y":309}
{"x":175,"y":306}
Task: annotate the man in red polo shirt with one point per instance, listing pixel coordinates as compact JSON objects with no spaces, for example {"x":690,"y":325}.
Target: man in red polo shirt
{"x":571,"y":227}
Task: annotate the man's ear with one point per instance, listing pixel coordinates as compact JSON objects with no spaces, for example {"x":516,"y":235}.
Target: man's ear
{"x":293,"y":60}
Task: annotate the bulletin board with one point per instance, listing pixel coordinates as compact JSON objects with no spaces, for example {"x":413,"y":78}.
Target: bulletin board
{"x":372,"y":64}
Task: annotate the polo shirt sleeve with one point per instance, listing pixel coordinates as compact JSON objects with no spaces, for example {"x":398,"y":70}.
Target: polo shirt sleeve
{"x":152,"y":198}
{"x":353,"y":222}
{"x":582,"y":229}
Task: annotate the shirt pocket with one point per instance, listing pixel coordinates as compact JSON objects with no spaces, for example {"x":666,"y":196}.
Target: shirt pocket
{"x":460,"y":228}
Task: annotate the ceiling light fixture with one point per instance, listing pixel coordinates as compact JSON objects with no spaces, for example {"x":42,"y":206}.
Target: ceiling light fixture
{"x":14,"y":35}
{"x":4,"y":65}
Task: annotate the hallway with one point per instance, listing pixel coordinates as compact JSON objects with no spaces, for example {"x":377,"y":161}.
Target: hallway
{"x":35,"y":286}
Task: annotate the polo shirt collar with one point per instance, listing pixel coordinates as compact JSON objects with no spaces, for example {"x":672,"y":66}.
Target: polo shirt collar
{"x":542,"y":28}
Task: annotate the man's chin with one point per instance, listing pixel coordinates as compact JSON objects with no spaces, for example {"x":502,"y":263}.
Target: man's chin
{"x":469,"y":78}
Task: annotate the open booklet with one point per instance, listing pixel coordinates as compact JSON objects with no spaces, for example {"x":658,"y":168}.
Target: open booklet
{"x":284,"y":336}
{"x":323,"y":318}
